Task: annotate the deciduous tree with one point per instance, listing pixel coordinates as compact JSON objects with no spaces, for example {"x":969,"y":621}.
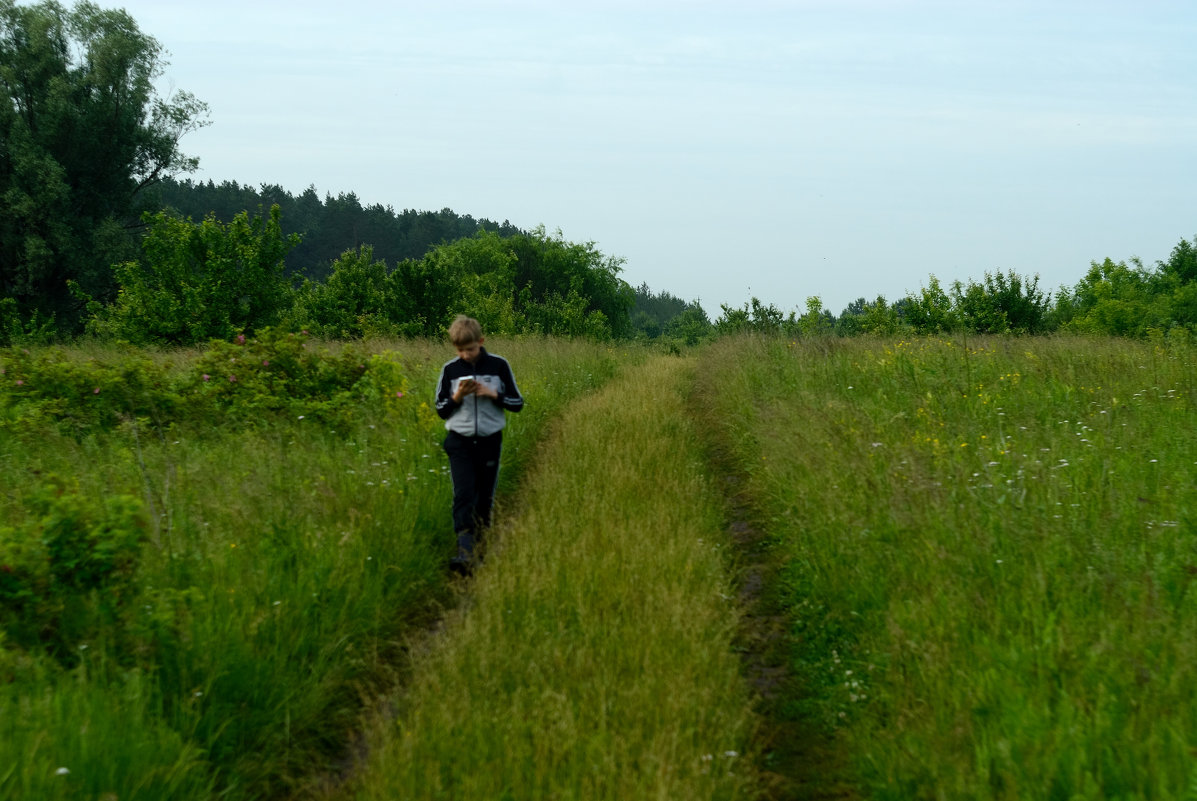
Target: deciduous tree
{"x":84,"y":133}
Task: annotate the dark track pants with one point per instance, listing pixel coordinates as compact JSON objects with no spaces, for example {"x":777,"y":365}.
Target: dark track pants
{"x":474,"y":467}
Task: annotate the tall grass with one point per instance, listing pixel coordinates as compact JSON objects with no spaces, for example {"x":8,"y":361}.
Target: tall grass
{"x":594,"y":659}
{"x":284,"y":563}
{"x":990,"y":551}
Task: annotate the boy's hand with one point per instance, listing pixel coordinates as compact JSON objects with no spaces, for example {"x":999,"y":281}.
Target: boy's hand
{"x":485,"y":391}
{"x":467,"y":387}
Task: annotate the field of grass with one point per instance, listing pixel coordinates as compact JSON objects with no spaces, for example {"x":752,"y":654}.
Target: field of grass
{"x":989,"y":556}
{"x":200,"y":593}
{"x":219,"y":569}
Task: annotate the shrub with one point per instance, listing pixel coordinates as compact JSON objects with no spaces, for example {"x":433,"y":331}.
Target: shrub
{"x":200,"y":280}
{"x":239,"y":383}
{"x":352,"y":303}
{"x":80,"y":395}
{"x":68,"y":571}
{"x":36,"y":330}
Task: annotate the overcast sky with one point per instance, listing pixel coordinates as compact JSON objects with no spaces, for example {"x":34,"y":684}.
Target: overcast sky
{"x":840,"y":148}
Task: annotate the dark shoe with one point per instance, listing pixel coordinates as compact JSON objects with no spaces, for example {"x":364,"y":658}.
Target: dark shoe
{"x":465,"y":542}
{"x":463,"y":563}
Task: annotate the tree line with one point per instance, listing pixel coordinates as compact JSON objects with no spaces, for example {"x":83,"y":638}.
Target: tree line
{"x":1116,"y":298}
{"x":327,"y":226}
{"x":210,"y":280}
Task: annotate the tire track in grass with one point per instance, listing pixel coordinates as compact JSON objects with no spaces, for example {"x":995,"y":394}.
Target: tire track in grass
{"x":798,"y":760}
{"x":593,"y":656}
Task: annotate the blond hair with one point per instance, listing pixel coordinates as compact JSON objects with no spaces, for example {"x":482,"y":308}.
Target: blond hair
{"x":464,"y":331}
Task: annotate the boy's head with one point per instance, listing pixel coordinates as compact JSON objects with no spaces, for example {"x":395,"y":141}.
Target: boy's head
{"x":466,"y":335}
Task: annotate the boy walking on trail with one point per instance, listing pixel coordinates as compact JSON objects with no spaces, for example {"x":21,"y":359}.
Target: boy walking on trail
{"x":472,"y":394}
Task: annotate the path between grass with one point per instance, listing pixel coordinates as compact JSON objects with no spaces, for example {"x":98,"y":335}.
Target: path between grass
{"x":604,"y":650}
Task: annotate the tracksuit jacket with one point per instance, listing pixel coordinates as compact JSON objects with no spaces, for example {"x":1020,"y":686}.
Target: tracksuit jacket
{"x":475,"y":416}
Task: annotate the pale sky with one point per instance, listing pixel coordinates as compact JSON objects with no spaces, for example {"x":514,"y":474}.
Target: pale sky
{"x":724,"y":150}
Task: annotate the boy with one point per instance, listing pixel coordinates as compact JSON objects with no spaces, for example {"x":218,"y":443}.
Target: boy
{"x":472,"y":394}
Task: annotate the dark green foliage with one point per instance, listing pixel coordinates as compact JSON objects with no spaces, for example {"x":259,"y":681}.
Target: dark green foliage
{"x":208,"y":280}
{"x":577,"y":289}
{"x":331,"y":226}
{"x":422,"y":292}
{"x":444,"y":264}
{"x":931,"y":311}
{"x":199,"y":281}
{"x":1114,"y":298}
{"x":569,"y":315}
{"x":353,"y":302}
{"x":864,"y":317}
{"x":1177,"y":278}
{"x":84,"y":134}
{"x":417,"y":298}
{"x":815,"y":322}
{"x":691,"y":326}
{"x":474,"y":276}
{"x":1002,"y":303}
{"x":759,"y":318}
{"x":1130,"y":299}
{"x":15,"y":329}
{"x":526,"y":283}
{"x":662,"y":314}
{"x":1181,"y":267}
{"x":655,"y":308}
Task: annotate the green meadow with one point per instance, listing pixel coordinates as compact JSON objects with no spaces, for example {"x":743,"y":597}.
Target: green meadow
{"x":987,"y":552}
{"x":222,"y":573}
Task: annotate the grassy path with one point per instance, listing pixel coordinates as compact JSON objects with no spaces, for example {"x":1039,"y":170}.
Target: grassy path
{"x":593,"y":657}
{"x":798,"y":759}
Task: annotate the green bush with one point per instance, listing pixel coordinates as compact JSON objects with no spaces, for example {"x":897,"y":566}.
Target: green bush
{"x":240,"y":383}
{"x":80,"y":395}
{"x":200,"y":280}
{"x":36,"y":330}
{"x":352,"y":303}
{"x":526,"y":284}
{"x":69,"y":570}
{"x":245,"y":381}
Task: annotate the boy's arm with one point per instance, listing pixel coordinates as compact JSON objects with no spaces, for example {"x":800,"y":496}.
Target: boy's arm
{"x":510,"y":399}
{"x":446,"y":405}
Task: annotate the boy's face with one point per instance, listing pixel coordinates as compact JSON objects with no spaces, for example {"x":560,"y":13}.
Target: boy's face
{"x":469,"y":352}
